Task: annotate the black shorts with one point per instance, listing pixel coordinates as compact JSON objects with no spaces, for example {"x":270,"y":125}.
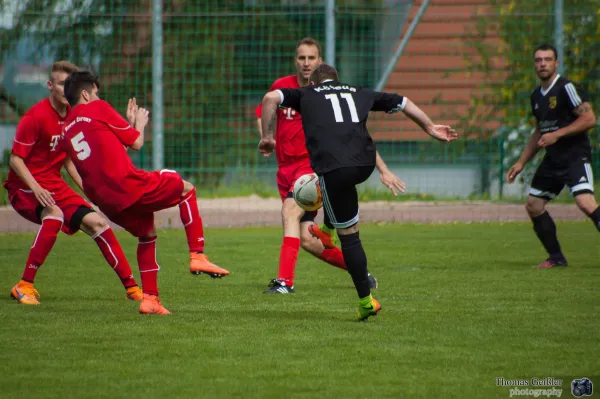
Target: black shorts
{"x":340,"y":199}
{"x":549,"y":179}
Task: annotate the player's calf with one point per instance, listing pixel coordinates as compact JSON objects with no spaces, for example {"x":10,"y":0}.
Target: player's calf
{"x":98,"y":228}
{"x":587,"y":203}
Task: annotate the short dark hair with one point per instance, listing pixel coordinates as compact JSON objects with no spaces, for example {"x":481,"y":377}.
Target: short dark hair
{"x":546,"y":47}
{"x":323,"y":72}
{"x":309,"y":41}
{"x":76,"y":83}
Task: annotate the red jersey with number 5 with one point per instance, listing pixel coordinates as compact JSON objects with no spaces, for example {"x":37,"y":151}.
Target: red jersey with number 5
{"x":37,"y":142}
{"x":290,"y":144}
{"x":95,"y":137}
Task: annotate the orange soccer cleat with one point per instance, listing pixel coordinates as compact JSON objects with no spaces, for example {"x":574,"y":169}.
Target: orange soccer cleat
{"x":326,"y":237}
{"x":24,"y":293}
{"x":370,"y":309}
{"x":134,"y":293}
{"x":199,"y":264}
{"x":151,"y":305}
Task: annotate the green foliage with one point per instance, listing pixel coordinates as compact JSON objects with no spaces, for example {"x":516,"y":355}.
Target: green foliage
{"x":502,"y":52}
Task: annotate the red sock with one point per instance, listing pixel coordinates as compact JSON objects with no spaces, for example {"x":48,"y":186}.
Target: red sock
{"x":146,"y":256}
{"x":287,"y":259}
{"x":190,"y":217}
{"x":42,"y":245}
{"x":334,"y":257}
{"x":113,"y":253}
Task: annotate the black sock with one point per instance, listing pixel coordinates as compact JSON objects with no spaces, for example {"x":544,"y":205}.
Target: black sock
{"x":595,"y":216}
{"x":356,"y":261}
{"x":545,"y":229}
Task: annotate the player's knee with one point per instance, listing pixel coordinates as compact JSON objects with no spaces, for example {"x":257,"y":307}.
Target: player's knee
{"x":187,"y":187}
{"x":53,"y":211}
{"x":587,"y":203}
{"x":535,"y":207}
{"x":307,"y":241}
{"x":94,"y":223}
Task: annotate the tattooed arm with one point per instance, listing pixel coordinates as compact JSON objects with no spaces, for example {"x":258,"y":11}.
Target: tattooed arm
{"x":584,"y":122}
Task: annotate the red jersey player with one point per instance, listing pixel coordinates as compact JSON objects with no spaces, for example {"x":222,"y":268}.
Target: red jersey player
{"x":95,"y":139}
{"x":299,"y":228}
{"x":39,"y":194}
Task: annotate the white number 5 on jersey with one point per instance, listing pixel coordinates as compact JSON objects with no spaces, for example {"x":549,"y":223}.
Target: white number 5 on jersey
{"x":81,"y":146}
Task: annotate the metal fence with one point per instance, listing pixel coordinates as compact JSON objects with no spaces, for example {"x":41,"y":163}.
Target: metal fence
{"x":220,"y":57}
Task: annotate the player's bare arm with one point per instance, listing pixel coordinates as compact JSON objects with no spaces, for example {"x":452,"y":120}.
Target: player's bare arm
{"x":17,"y":164}
{"x":438,"y":132}
{"x":142,"y":116}
{"x":388,"y":179}
{"x":268,"y":118}
{"x":529,"y":152}
{"x":72,"y":171}
{"x":584,"y":122}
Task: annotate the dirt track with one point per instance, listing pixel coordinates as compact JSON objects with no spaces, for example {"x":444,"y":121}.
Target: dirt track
{"x":256,"y":211}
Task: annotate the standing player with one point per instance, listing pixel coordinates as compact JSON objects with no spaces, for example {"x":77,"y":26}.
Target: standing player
{"x":37,"y":191}
{"x":293,"y":161}
{"x":563,"y":118}
{"x":342,"y":153}
{"x":95,"y":139}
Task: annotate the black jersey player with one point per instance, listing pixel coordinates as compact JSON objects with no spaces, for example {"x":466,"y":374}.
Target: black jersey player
{"x":343,"y":154}
{"x":563,"y":116}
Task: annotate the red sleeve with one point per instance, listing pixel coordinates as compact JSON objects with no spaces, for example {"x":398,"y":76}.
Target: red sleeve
{"x":117,"y":124}
{"x":258,"y":110}
{"x":26,"y":136}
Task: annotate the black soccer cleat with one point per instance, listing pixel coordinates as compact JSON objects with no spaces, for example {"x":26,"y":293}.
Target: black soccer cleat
{"x":279,"y":287}
{"x":373,"y":284}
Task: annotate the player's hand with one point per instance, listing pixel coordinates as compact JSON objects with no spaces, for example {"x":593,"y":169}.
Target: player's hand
{"x":132,"y":109}
{"x":266,"y":146}
{"x":142,"y":116}
{"x":514,"y":171}
{"x":442,"y":133}
{"x":392,"y":182}
{"x":547,"y":139}
{"x":44,"y":197}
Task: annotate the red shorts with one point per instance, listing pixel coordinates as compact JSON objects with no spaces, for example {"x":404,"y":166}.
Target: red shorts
{"x":163,"y":190}
{"x":287,"y":176}
{"x":24,"y":202}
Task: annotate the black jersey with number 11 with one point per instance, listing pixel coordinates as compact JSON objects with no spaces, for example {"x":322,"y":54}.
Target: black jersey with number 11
{"x":334,"y":118}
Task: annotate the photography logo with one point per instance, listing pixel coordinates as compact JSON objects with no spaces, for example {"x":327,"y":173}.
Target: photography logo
{"x":582,"y":387}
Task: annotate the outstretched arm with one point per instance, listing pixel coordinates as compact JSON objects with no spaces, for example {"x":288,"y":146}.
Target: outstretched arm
{"x":439,"y":132}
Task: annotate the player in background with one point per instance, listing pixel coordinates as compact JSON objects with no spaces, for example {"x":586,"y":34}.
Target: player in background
{"x":38,"y":193}
{"x":293,"y":161}
{"x":343,"y":154}
{"x":563,"y":116}
{"x":95,"y":139}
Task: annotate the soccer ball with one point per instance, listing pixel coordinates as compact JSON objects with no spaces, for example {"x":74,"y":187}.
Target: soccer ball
{"x":307,"y":192}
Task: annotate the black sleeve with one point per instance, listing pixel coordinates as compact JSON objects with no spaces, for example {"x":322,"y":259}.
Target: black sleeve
{"x":575,"y":95}
{"x":387,"y":102}
{"x":532,"y":104}
{"x":291,"y":98}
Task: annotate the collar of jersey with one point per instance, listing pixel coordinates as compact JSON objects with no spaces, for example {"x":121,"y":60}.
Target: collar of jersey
{"x":551,"y":86}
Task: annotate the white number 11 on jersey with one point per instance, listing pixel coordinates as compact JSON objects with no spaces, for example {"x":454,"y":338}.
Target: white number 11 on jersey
{"x":337,"y":110}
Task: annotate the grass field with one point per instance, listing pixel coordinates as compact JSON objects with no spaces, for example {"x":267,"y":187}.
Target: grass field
{"x":461,"y":306}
